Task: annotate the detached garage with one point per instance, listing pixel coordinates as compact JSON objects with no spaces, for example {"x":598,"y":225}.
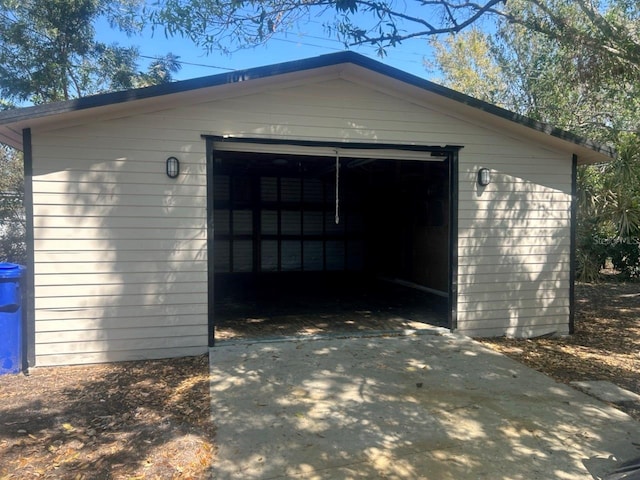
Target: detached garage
{"x":159,"y":217}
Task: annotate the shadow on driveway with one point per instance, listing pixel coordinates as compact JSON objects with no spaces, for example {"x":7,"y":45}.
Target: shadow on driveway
{"x":404,"y":407}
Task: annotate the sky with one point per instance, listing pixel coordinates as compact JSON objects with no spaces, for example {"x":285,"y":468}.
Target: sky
{"x":308,"y":40}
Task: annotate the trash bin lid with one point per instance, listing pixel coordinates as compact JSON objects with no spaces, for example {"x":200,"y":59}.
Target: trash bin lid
{"x":11,"y":270}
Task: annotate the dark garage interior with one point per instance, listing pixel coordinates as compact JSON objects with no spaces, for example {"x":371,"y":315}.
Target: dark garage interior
{"x":317,"y":244}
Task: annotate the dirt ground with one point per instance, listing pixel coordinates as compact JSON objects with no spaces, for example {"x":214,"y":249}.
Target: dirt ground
{"x":151,"y":419}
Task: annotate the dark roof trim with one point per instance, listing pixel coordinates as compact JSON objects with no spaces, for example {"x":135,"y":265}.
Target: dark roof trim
{"x":101,"y":100}
{"x":113,"y":98}
{"x":436,"y":149}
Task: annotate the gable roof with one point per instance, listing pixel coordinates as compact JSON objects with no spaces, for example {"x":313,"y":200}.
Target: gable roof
{"x":12,"y":122}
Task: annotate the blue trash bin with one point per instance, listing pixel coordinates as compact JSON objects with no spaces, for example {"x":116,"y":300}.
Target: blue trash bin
{"x":10,"y":318}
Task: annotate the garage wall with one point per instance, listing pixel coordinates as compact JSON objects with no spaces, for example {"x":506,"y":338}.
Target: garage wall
{"x":120,"y":249}
{"x":514,"y":244}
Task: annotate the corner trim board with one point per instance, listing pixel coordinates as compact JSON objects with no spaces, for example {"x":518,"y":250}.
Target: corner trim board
{"x":210,"y":247}
{"x":453,"y":239}
{"x":29,"y":321}
{"x":573,"y":243}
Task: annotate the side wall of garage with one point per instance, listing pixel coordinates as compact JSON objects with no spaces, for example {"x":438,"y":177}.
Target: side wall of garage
{"x":120,"y":249}
{"x":514,"y":242}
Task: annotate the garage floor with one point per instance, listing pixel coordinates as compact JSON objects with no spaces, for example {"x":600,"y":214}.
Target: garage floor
{"x":276,"y":305}
{"x":404,"y":407}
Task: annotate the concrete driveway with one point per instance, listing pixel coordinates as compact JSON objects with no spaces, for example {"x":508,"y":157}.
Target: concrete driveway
{"x":419,"y":406}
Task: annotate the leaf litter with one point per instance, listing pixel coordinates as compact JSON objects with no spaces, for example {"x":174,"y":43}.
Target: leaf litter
{"x":145,"y":419}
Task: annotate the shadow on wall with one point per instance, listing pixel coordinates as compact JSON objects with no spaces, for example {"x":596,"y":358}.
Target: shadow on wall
{"x":514,"y":265}
{"x":121,"y":262}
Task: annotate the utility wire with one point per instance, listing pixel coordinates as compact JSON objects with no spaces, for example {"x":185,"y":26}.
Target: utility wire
{"x":148,"y":57}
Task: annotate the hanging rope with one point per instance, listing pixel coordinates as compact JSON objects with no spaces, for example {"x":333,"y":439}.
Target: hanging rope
{"x":337,"y":187}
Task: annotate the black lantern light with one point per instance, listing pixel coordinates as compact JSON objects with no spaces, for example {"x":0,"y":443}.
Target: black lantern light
{"x":484,"y":177}
{"x":173,"y":167}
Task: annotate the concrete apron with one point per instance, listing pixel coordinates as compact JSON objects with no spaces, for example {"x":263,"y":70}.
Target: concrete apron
{"x":404,"y":407}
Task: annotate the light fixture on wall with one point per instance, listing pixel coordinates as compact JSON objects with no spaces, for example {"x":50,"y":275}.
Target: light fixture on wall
{"x":484,"y":177}
{"x":173,"y":167}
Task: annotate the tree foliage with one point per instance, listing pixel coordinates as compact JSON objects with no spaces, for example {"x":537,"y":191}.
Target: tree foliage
{"x":229,"y":24}
{"x":609,"y":214}
{"x":542,"y":78}
{"x":532,"y":74}
{"x":467,"y":62}
{"x":603,"y":32}
{"x":12,"y":226}
{"x":49,"y":51}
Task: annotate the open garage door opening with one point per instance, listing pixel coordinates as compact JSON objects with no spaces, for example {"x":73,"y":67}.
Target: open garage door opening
{"x":320,"y":240}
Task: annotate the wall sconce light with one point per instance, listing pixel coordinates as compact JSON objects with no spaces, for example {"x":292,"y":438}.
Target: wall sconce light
{"x":173,"y":167}
{"x":484,"y":177}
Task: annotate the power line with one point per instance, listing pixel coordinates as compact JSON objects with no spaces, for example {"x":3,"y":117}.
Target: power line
{"x":284,"y":40}
{"x":306,"y":44}
{"x":148,"y":57}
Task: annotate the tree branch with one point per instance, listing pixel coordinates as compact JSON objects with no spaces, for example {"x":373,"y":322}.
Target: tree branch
{"x":456,"y":27}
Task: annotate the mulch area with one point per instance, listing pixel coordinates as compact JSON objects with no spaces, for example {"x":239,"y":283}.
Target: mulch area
{"x":131,"y":420}
{"x":151,"y":419}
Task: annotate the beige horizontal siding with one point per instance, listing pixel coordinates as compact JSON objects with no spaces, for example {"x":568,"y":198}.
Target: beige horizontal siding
{"x":139,"y":290}
{"x":120,"y":249}
{"x":118,"y":344}
{"x":154,"y":254}
{"x":112,"y":245}
{"x":87,"y":336}
{"x":151,"y":315}
{"x":498,"y":269}
{"x":123,"y":219}
{"x":113,"y":355}
{"x":108,"y":235}
{"x":518,"y":243}
{"x":514,"y":246}
{"x":476,"y":287}
{"x":111,"y":188}
{"x":510,"y":253}
{"x":545,"y":296}
{"x":132,"y":208}
{"x":514,"y":233}
{"x":110,"y":294}
{"x":521,"y":277}
{"x":57,"y":202}
{"x":520,"y":326}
